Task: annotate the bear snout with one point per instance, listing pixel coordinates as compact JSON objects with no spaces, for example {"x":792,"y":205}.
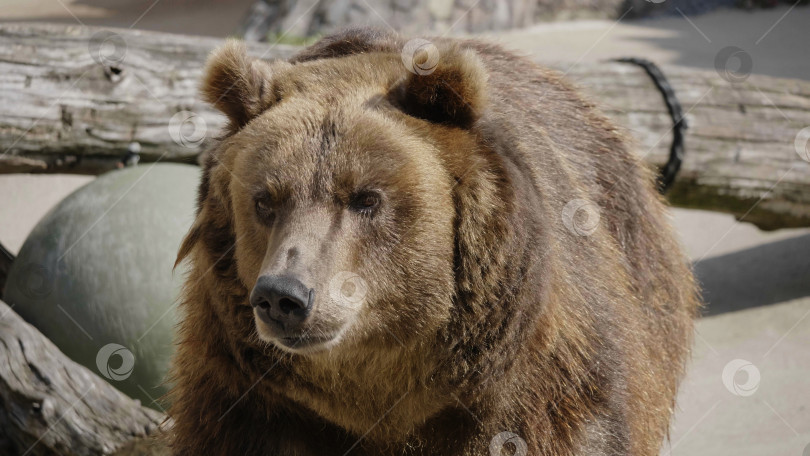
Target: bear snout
{"x":283,"y":303}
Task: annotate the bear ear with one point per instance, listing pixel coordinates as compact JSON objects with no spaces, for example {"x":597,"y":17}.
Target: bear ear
{"x":446,"y":85}
{"x":236,"y":84}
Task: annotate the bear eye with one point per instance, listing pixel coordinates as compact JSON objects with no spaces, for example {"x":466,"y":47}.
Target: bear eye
{"x":365,"y":202}
{"x":264,"y":209}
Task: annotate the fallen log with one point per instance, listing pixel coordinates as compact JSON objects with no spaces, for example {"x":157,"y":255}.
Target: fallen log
{"x":77,"y":99}
{"x":50,"y":405}
{"x":746,"y":148}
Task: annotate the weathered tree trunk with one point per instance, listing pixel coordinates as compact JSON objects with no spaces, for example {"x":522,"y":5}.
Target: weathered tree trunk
{"x":51,"y":405}
{"x":71,"y":104}
{"x":745,"y":150}
{"x":74,"y":99}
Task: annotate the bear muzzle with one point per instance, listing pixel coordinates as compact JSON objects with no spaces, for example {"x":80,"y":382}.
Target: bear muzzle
{"x":283,"y":303}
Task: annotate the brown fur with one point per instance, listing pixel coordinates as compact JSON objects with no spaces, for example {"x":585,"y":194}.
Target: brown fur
{"x":484,"y":313}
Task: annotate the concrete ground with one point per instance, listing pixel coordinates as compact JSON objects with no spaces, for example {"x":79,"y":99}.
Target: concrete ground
{"x":776,"y":40}
{"x":746,"y":392}
{"x":757,"y":288}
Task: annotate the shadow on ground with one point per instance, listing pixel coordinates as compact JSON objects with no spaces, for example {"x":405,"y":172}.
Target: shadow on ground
{"x":771,"y":39}
{"x":758,"y":276}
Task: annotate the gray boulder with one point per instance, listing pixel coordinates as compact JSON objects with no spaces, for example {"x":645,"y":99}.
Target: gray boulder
{"x":95,"y":275}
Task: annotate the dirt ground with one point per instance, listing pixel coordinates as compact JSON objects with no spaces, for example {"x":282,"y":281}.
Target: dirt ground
{"x":757,"y":284}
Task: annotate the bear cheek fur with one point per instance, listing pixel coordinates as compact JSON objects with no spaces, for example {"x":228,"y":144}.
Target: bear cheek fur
{"x":410,"y":245}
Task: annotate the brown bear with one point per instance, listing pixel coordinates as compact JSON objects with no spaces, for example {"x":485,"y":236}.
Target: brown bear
{"x":423,"y":248}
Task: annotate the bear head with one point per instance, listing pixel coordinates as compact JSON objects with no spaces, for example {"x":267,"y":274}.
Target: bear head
{"x":342,"y":182}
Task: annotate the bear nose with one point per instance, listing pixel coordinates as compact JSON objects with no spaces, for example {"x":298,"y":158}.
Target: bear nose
{"x":282,"y":300}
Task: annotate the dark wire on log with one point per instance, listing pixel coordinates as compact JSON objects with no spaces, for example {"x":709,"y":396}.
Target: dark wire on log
{"x":676,"y":150}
